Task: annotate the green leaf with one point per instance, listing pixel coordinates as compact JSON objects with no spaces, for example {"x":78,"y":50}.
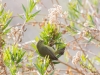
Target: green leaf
{"x":8,"y":54}
{"x":1,"y":12}
{"x":83,"y":58}
{"x":7,"y":24}
{"x":20,"y":16}
{"x":29,"y":17}
{"x":76,"y":10}
{"x":7,"y":30}
{"x":72,"y":25}
{"x":37,"y":39}
{"x":91,"y":38}
{"x":37,"y":68}
{"x":32,"y":5}
{"x":71,"y":31}
{"x":12,"y":57}
{"x":35,"y":14}
{"x":20,"y":58}
{"x":90,"y":18}
{"x":80,"y":2}
{"x":35,"y":48}
{"x":95,"y":2}
{"x":24,"y":8}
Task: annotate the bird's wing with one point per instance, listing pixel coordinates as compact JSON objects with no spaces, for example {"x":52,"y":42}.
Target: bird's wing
{"x":49,"y":51}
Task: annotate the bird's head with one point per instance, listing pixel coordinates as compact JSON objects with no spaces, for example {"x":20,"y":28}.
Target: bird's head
{"x":40,"y":42}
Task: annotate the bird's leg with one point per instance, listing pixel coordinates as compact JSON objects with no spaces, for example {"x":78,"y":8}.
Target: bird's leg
{"x":52,"y":65}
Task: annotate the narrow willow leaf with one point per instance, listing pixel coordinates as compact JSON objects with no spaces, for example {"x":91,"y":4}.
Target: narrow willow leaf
{"x":76,"y":10}
{"x":31,"y":16}
{"x":34,"y":47}
{"x":80,"y":2}
{"x":91,"y":38}
{"x":27,"y":15}
{"x":32,"y":6}
{"x":24,"y":8}
{"x":72,"y":24}
{"x":83,"y":57}
{"x":1,"y":12}
{"x":37,"y":68}
{"x":20,"y":16}
{"x":71,"y":31}
{"x":37,"y":39}
{"x":90,"y":18}
{"x":7,"y":24}
{"x":35,"y":14}
{"x":6,"y":31}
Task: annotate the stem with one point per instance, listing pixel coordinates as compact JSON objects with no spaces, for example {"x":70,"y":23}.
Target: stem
{"x":71,"y":67}
{"x":2,"y":63}
{"x":57,"y":1}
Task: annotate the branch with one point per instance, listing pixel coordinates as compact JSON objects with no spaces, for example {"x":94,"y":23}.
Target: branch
{"x":85,"y":54}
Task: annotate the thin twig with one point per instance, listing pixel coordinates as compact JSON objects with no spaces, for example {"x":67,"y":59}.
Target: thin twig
{"x":71,"y":67}
{"x":2,"y":63}
{"x":57,"y":2}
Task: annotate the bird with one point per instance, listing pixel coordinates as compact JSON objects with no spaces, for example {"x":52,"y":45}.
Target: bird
{"x":45,"y":50}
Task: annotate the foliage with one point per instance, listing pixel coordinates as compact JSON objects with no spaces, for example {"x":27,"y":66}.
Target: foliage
{"x":28,"y":11}
{"x":42,"y":65}
{"x":12,"y":57}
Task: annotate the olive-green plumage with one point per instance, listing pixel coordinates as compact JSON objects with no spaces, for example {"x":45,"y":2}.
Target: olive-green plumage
{"x":46,"y":50}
